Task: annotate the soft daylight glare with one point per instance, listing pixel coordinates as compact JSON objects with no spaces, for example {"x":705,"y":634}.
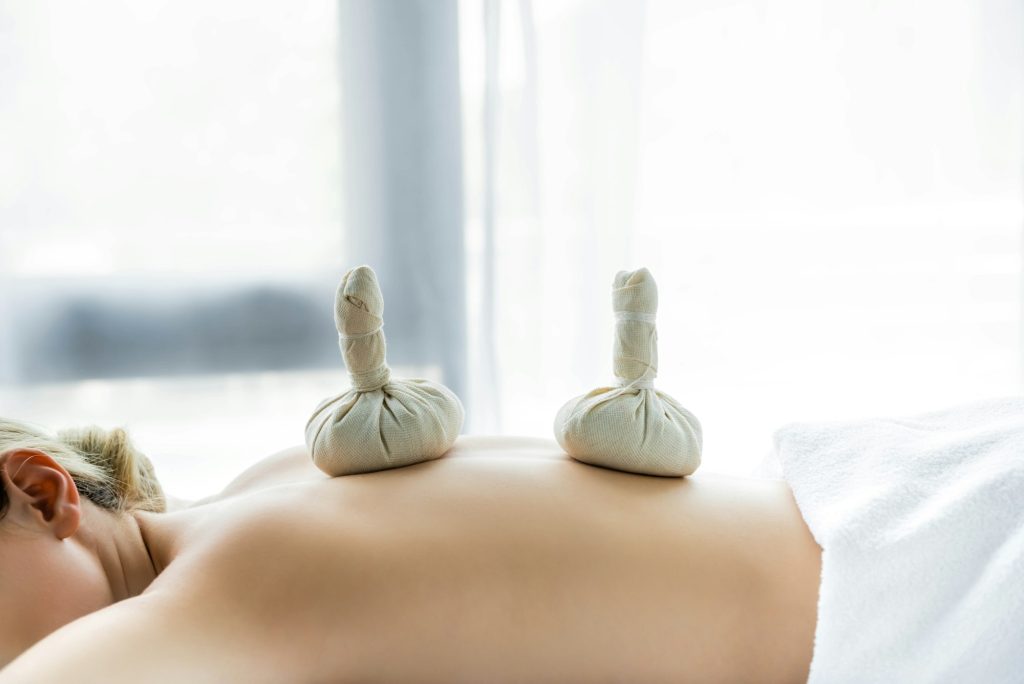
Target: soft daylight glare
{"x":156,"y":136}
{"x":829,"y":195}
{"x":192,"y":143}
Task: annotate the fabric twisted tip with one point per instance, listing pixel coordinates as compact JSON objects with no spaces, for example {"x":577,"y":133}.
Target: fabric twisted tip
{"x":381,"y":421}
{"x":631,"y":426}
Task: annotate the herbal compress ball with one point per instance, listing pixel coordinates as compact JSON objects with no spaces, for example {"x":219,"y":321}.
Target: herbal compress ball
{"x":380,"y":422}
{"x":632,"y":426}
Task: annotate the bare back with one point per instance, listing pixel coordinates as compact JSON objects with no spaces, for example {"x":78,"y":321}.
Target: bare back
{"x":503,"y":561}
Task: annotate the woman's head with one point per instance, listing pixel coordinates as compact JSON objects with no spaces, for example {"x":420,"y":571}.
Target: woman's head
{"x":63,"y":497}
{"x":107,"y":469}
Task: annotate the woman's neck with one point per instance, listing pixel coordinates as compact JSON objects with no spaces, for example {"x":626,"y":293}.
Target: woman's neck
{"x":162,"y":536}
{"x":118,"y":543}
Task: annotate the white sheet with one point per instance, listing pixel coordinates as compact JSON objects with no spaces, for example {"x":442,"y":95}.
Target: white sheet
{"x":921,"y":521}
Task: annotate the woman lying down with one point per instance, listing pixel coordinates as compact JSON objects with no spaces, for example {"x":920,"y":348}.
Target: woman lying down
{"x":889,"y":550}
{"x":504,"y":561}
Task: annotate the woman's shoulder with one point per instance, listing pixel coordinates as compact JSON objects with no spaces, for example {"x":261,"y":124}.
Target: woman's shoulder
{"x":146,"y":638}
{"x":295,"y":465}
{"x":283,"y":467}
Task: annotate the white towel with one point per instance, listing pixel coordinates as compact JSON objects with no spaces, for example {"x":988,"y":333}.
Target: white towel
{"x":921,"y":522}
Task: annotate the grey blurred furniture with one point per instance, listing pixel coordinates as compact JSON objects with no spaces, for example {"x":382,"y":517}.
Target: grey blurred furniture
{"x":401,"y":153}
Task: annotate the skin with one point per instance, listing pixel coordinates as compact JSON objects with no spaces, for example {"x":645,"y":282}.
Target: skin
{"x":504,"y":560}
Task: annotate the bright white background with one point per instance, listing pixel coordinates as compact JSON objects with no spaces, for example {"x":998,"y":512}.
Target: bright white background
{"x":181,"y":140}
{"x":828,"y":194}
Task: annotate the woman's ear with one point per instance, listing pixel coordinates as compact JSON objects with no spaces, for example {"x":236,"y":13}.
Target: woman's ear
{"x":41,"y":493}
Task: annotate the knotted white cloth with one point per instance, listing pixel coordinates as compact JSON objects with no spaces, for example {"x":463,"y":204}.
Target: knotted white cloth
{"x":632,"y":426}
{"x":380,"y":422}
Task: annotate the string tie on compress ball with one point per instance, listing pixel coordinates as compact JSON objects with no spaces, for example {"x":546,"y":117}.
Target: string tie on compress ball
{"x":636,"y":316}
{"x":643,"y":382}
{"x":639,"y":383}
{"x":355,"y":336}
{"x":367,"y":381}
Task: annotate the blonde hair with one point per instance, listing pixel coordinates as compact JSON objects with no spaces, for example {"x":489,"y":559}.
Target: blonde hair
{"x":107,"y":469}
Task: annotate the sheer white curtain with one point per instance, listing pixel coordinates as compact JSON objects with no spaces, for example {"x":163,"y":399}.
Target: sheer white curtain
{"x":829,"y":195}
